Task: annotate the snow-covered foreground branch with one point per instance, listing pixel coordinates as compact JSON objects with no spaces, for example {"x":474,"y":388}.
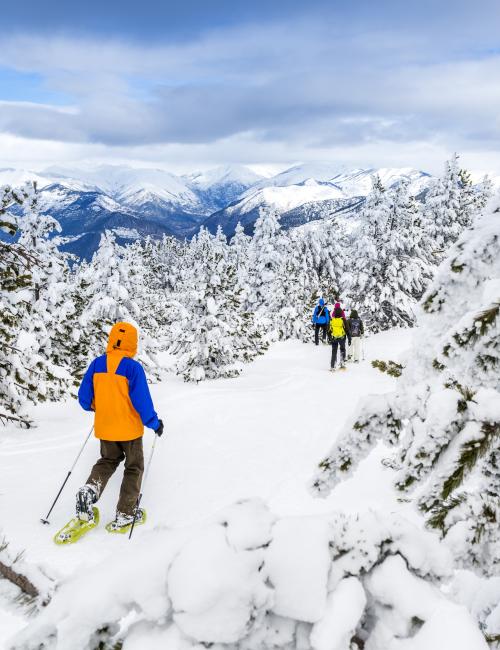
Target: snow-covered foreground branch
{"x":250,"y":581}
{"x":34,"y":584}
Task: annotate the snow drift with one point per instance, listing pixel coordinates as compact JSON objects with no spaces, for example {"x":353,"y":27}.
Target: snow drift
{"x":244,"y":580}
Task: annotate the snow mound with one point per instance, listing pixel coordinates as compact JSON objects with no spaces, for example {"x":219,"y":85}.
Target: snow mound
{"x":217,"y":591}
{"x":297,"y":563}
{"x":245,"y":581}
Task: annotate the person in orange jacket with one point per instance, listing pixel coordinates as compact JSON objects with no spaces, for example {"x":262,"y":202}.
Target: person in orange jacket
{"x":115,"y":388}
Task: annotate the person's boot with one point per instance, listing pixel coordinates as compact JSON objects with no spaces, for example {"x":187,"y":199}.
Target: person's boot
{"x":123,"y":522}
{"x":85,"y":499}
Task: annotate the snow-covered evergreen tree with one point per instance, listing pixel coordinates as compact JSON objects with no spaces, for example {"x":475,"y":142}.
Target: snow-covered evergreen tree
{"x":50,"y":329}
{"x":408,"y":266}
{"x":214,"y":334}
{"x":389,"y":266}
{"x":220,"y":240}
{"x":266,"y":293}
{"x":299,"y":280}
{"x":98,"y":293}
{"x":33,"y":290}
{"x":450,"y":206}
{"x":444,"y":419}
{"x":364,"y":276}
{"x":154,"y":302}
{"x":15,"y":281}
{"x":110,"y":288}
{"x":333,"y":257}
{"x":168,"y":258}
{"x":238,"y":250}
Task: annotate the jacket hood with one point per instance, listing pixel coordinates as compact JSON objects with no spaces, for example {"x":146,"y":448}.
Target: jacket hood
{"x":123,"y":338}
{"x":321,"y":302}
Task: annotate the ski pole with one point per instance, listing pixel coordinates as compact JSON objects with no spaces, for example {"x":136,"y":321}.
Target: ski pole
{"x":46,"y":520}
{"x":143,"y":484}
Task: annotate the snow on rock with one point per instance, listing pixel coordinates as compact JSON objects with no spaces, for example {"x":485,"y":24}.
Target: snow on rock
{"x":344,"y":609}
{"x":297,"y":563}
{"x":216,"y":591}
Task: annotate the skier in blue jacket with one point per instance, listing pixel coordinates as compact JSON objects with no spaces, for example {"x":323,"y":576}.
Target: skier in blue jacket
{"x":320,"y":318}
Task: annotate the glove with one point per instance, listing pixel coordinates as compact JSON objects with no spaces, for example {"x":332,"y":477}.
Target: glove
{"x":159,"y":430}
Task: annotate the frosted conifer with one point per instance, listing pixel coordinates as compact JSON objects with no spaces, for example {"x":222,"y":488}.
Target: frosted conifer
{"x":444,"y":419}
{"x":266,"y":294}
{"x":214,"y":334}
{"x":28,"y":300}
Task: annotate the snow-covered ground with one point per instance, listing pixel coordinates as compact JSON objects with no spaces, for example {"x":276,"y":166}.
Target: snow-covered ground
{"x":259,"y":435}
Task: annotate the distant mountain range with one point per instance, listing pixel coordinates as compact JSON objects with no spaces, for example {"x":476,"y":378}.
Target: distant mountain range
{"x":135,"y":203}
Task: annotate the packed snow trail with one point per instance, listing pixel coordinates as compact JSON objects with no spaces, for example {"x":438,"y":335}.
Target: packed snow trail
{"x":258,"y":435}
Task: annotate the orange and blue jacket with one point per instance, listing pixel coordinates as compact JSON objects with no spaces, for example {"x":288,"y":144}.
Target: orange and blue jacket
{"x":115,"y":387}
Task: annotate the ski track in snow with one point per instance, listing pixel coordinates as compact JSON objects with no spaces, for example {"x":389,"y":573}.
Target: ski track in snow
{"x":259,"y":435}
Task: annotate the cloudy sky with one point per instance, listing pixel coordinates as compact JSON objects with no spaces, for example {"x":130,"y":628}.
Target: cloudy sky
{"x":187,"y":84}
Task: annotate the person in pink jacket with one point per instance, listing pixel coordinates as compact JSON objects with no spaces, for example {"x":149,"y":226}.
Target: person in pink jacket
{"x":338,"y":305}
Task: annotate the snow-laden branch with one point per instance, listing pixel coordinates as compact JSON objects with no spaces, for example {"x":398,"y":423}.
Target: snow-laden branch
{"x":250,"y":581}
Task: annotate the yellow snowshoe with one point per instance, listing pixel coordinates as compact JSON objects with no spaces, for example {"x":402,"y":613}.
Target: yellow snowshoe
{"x":75,"y":529}
{"x":122,"y":525}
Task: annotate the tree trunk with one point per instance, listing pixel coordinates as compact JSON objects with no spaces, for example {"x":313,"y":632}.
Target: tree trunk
{"x":19,"y":580}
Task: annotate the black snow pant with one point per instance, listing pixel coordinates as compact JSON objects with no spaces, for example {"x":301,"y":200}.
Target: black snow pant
{"x":317,"y":328}
{"x":335,"y":344}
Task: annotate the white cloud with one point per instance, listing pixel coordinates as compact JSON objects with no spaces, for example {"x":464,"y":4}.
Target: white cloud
{"x":259,"y":95}
{"x":269,"y":156}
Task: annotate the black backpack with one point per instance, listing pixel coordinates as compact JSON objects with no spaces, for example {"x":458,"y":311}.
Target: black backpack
{"x":355,"y":327}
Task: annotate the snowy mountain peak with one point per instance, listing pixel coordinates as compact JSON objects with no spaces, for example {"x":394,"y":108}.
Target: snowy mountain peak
{"x":105,"y":196}
{"x":300,"y":173}
{"x":358,"y":182}
{"x":17,"y":177}
{"x":115,"y":178}
{"x":203,"y":180}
